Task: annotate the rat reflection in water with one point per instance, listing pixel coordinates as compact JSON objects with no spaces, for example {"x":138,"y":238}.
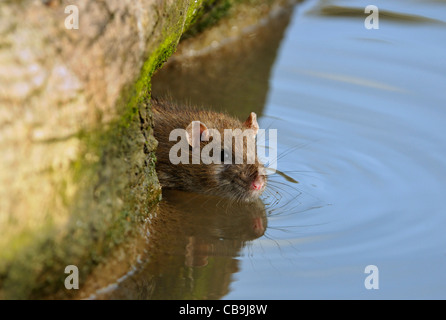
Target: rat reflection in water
{"x":191,"y":248}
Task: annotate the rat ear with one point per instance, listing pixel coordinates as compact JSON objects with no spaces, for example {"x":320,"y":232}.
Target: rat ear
{"x":196,"y":132}
{"x":251,"y":123}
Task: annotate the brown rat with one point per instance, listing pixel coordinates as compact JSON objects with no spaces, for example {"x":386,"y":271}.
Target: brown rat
{"x":245,"y":181}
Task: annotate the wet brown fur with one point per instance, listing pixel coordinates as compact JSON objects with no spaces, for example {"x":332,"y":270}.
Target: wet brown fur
{"x":227,"y":180}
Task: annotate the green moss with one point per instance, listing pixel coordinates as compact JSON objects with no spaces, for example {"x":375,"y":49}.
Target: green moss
{"x":213,"y":11}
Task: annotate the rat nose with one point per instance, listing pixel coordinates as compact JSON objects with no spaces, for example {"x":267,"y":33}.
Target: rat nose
{"x":258,"y":183}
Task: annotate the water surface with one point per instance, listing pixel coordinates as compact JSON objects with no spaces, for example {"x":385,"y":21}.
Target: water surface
{"x":361,"y":127}
{"x":371,"y":105}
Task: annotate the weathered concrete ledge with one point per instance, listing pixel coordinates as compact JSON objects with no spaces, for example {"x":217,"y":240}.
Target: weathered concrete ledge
{"x":76,"y":145}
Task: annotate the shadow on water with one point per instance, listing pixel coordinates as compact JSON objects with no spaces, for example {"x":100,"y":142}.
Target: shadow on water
{"x":234,"y":77}
{"x":191,"y":249}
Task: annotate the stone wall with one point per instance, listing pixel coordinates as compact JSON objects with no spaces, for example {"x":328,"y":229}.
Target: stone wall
{"x":76,"y":148}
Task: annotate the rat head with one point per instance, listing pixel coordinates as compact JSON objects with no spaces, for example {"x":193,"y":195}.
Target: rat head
{"x":226,"y":151}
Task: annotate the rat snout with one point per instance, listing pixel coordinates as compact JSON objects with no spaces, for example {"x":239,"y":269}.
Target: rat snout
{"x":258,"y":183}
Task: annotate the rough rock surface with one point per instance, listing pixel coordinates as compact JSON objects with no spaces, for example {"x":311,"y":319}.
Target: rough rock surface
{"x":76,"y":149}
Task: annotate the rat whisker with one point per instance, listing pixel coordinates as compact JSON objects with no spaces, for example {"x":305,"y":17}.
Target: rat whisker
{"x":291,"y":149}
{"x":285,"y":188}
{"x":304,"y":171}
{"x":274,"y":195}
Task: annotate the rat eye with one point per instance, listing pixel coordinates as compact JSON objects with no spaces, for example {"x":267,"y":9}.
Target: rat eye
{"x":224,"y":156}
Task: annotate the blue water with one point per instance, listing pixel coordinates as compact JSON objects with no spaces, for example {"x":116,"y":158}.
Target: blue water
{"x":363,"y":113}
